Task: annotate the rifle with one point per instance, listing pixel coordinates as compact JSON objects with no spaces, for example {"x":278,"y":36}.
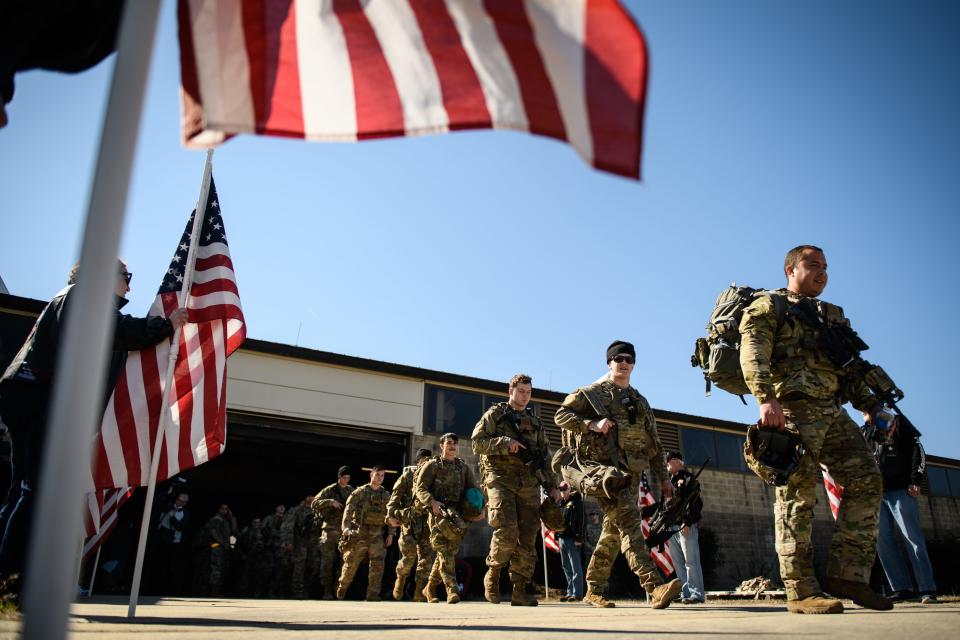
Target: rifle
{"x":672,"y":512}
{"x":528,"y":455}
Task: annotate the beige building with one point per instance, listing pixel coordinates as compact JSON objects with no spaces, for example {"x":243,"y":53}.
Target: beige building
{"x":295,"y":415}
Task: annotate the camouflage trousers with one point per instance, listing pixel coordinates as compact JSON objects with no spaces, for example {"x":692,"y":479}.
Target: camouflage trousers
{"x":415,"y":549}
{"x":621,"y":533}
{"x":216,"y":569}
{"x":364,"y":545}
{"x":303,"y":567}
{"x":329,"y":555}
{"x":513,"y":511}
{"x":832,"y":438}
{"x":279,"y":572}
{"x":445,"y":564}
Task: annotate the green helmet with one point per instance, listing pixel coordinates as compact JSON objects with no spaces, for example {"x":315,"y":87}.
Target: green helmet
{"x":551,"y":515}
{"x":772,"y":454}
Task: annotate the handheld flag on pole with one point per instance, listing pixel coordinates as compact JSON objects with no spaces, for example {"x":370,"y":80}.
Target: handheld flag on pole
{"x":348,"y":70}
{"x":661,"y":558}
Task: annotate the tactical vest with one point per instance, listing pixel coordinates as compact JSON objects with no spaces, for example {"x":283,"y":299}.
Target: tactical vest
{"x":374,"y":508}
{"x":520,"y":425}
{"x":634,"y":442}
{"x":448,"y":484}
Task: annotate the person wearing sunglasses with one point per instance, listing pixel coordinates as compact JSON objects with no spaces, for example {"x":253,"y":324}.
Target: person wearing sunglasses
{"x":612,"y":427}
{"x":25,"y":390}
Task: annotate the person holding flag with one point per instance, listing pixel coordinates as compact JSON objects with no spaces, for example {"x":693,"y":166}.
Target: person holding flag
{"x":25,"y":390}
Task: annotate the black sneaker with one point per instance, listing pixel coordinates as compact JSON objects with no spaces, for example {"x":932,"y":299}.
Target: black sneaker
{"x":902,"y":596}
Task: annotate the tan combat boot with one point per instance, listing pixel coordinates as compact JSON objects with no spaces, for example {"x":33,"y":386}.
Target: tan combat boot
{"x":817,"y":603}
{"x":341,"y":591}
{"x":398,"y":587}
{"x":491,"y":585}
{"x":418,"y":590}
{"x":430,"y":591}
{"x":597,"y":600}
{"x":520,"y":597}
{"x":453,"y":594}
{"x":859,"y":592}
{"x":662,"y":596}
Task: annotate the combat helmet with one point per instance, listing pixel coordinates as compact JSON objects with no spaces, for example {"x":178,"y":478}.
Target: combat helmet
{"x":472,"y":505}
{"x":772,"y":454}
{"x":551,"y":515}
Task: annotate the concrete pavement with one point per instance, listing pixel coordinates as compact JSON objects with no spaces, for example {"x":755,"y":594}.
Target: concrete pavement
{"x":195,"y":619}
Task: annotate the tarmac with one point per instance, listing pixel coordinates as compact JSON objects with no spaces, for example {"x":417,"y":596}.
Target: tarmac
{"x":195,"y":619}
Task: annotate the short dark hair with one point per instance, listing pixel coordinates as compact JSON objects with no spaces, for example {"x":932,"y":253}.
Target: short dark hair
{"x":377,"y":467}
{"x":793,"y":256}
{"x":452,"y":437}
{"x":674,"y":454}
{"x":520,"y":378}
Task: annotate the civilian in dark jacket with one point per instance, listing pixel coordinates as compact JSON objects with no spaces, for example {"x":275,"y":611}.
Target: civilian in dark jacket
{"x":571,"y":541}
{"x":685,"y":543}
{"x":25,"y":390}
{"x":902,"y":464}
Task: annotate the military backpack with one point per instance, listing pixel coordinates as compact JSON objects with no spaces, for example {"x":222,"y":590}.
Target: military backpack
{"x":718,"y":354}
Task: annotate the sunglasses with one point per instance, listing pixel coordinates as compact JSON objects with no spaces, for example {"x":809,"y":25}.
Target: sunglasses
{"x":127,"y":276}
{"x":621,"y":359}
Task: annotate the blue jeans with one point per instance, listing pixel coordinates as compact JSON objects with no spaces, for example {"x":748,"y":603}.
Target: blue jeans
{"x":899,"y":516}
{"x":572,"y":567}
{"x":685,"y":552}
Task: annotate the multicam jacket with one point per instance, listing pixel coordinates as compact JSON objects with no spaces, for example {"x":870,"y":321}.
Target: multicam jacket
{"x":443,"y":481}
{"x":632,"y":444}
{"x":780,"y":357}
{"x":366,"y":509}
{"x":402,"y":505}
{"x":491,"y":439}
{"x":324,"y":508}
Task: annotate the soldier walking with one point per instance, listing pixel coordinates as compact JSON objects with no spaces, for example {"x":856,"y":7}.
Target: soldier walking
{"x":256,"y":560}
{"x":614,"y":433}
{"x":297,"y":532}
{"x":328,"y":507}
{"x":414,"y":541}
{"x":513,"y":450}
{"x":364,"y":525}
{"x":216,"y":540}
{"x":279,"y":563}
{"x":800,"y":390}
{"x":440,"y":486}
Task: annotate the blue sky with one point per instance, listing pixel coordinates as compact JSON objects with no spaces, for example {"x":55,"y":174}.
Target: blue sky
{"x":487,"y":253}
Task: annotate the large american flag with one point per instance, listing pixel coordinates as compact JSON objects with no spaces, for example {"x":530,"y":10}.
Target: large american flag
{"x":662,"y":559}
{"x":197,"y":428}
{"x":100,"y":516}
{"x":346,"y":70}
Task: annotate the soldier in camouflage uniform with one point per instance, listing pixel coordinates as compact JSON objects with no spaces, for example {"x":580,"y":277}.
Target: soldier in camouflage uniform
{"x":216,"y":536}
{"x":364,"y":525}
{"x":279,"y":559}
{"x":414,"y":541}
{"x":298,"y":532}
{"x":612,"y":426}
{"x":799,"y":389}
{"x":507,"y":436}
{"x":440,"y":486}
{"x":593,"y":530}
{"x":328,"y":507}
{"x":256,"y":562}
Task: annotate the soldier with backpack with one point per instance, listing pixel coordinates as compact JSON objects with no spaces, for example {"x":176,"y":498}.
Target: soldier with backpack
{"x":788,"y":367}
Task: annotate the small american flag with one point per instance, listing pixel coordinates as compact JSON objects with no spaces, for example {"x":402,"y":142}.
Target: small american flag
{"x":834,"y":491}
{"x":663,"y":560}
{"x":550,"y":539}
{"x":197,"y":429}
{"x":100,"y":516}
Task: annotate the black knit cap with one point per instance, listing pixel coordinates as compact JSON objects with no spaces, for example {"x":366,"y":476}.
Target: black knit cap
{"x":619,"y":346}
{"x":423,"y":453}
{"x":343,"y":471}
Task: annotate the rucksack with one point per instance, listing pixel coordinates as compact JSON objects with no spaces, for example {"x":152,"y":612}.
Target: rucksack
{"x":718,"y":355}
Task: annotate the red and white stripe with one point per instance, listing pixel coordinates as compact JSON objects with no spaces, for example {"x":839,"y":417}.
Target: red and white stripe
{"x":100,"y":516}
{"x":197,"y":429}
{"x":834,"y":491}
{"x":661,"y":558}
{"x":346,"y":70}
{"x":550,"y":539}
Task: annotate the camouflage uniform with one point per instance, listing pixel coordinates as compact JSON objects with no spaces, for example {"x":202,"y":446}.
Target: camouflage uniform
{"x":414,"y":533}
{"x":591,"y":538}
{"x":299,"y":532}
{"x":632,"y":446}
{"x":216,"y":539}
{"x":781,"y":361}
{"x":364,"y":515}
{"x":445,"y":482}
{"x":256,"y":562}
{"x":332,"y":518}
{"x":513,"y":494}
{"x":279,"y":560}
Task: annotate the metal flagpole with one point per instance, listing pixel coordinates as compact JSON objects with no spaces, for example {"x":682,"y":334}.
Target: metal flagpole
{"x":546,"y":578}
{"x":93,"y":575}
{"x":77,"y":397}
{"x":165,"y":415}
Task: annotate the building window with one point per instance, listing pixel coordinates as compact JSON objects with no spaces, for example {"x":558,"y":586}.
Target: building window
{"x":943,"y":481}
{"x":725,"y":450}
{"x":458,"y":411}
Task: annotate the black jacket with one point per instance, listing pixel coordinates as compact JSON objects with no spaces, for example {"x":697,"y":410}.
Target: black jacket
{"x":901,"y":459}
{"x":573,"y":517}
{"x":696,"y":505}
